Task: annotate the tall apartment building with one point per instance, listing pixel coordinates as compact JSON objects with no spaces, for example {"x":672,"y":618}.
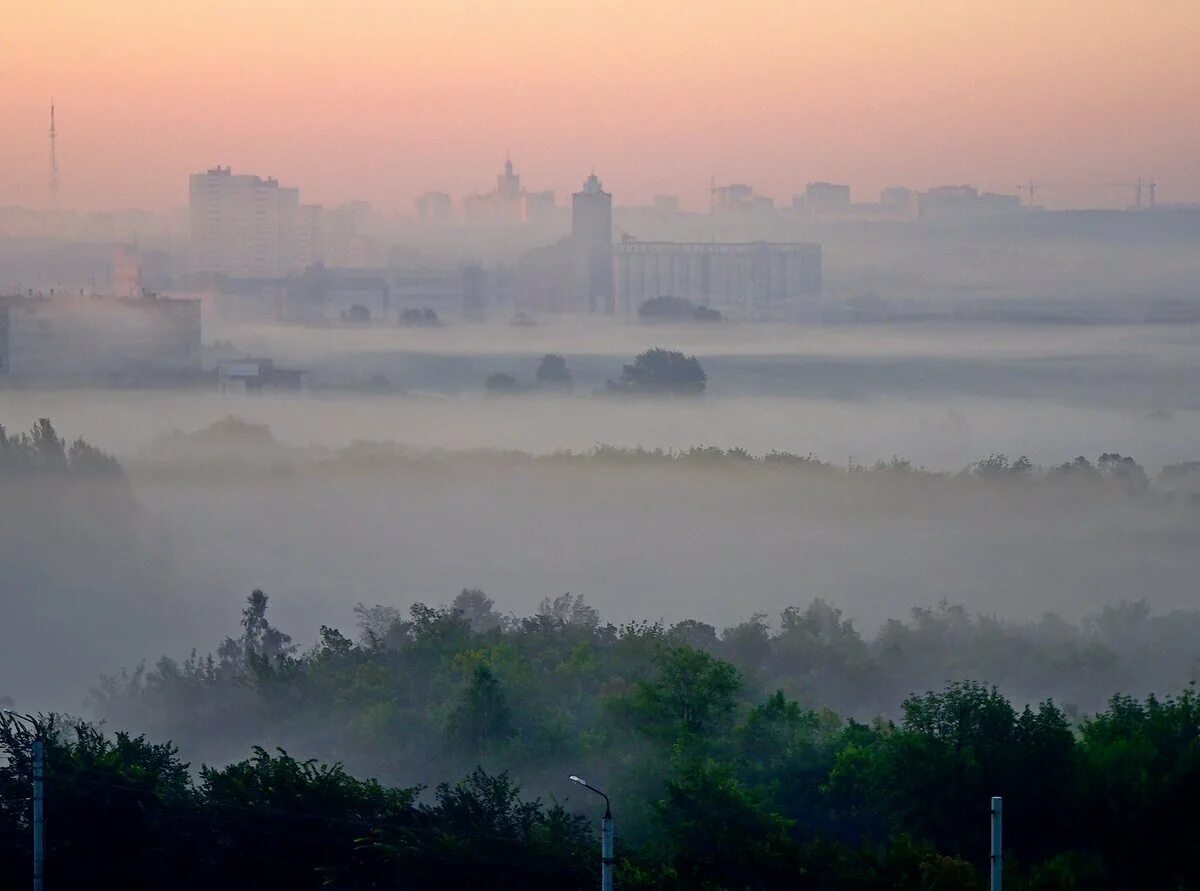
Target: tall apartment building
{"x":242,"y":226}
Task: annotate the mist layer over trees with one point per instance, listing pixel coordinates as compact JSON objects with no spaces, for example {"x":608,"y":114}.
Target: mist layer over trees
{"x":114,"y":567}
{"x":717,"y":781}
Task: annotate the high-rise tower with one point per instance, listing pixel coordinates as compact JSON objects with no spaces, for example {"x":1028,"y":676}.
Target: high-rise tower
{"x":591,"y":234}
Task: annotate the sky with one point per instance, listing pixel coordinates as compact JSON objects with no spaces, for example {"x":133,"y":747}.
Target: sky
{"x":379,"y":100}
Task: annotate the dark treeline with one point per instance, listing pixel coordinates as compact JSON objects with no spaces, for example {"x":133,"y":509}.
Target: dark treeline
{"x":232,"y":438}
{"x":218,"y":705}
{"x":42,"y":451}
{"x":724,"y":769}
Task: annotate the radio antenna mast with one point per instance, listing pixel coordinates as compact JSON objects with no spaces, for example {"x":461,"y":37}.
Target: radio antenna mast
{"x":53,"y":157}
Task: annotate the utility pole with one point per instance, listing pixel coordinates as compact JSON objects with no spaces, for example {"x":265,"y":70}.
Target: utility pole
{"x":38,"y":748}
{"x":997,"y":850}
{"x":608,"y":837}
{"x":39,"y":813}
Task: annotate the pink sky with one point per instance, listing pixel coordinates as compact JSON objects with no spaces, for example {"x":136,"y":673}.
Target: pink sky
{"x":382,"y":100}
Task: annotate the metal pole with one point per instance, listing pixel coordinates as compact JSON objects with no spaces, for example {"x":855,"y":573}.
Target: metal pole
{"x":997,"y":850}
{"x":607,"y":839}
{"x":39,"y":813}
{"x":608,"y":836}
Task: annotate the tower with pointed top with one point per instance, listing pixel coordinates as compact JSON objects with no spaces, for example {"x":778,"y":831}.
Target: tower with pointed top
{"x":508,"y":184}
{"x":591,"y":235}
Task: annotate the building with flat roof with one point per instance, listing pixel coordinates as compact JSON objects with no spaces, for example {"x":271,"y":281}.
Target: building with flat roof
{"x":957,"y":202}
{"x":737,"y":278}
{"x":242,"y":226}
{"x":62,"y":339}
{"x":435,"y":207}
{"x":591,"y":236}
{"x":575,"y":274}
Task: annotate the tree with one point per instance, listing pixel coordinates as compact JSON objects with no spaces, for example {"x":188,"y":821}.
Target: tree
{"x":260,"y":640}
{"x":692,"y":697}
{"x":477,"y":609}
{"x":568,"y":610}
{"x":722,"y":835}
{"x":1124,"y":469}
{"x":552,"y":372}
{"x":482,"y":716}
{"x":500,"y":383}
{"x":420,"y":317}
{"x":670,"y":307}
{"x":662,"y":372}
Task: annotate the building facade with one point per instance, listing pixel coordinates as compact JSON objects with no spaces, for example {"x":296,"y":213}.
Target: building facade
{"x":737,"y":278}
{"x":99,"y":339}
{"x":591,"y":234}
{"x":242,"y":226}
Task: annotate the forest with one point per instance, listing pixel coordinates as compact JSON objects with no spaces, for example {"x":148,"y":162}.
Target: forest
{"x":719,"y":779}
{"x":432,"y":746}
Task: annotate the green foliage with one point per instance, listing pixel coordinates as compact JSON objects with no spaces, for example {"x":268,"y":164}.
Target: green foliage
{"x":662,"y":372}
{"x":715,"y":783}
{"x":126,"y":813}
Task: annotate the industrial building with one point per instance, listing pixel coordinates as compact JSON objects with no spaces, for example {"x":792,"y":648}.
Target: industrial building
{"x":60,"y":339}
{"x":575,"y":274}
{"x":737,"y":278}
{"x":326,"y":293}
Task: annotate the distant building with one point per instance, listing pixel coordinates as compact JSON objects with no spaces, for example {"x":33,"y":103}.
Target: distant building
{"x":823,"y":199}
{"x":255,"y":375}
{"x":738,"y":198}
{"x":737,"y":278}
{"x":439,"y":288}
{"x":591,"y":237}
{"x":537,"y":207}
{"x":956,"y":202}
{"x":666,"y":204}
{"x":99,"y":339}
{"x":310,"y":235}
{"x":435,"y":208}
{"x":503,"y":205}
{"x":336,"y":236}
{"x":242,"y":226}
{"x":898,"y":196}
{"x":573,"y":275}
{"x":331,"y":293}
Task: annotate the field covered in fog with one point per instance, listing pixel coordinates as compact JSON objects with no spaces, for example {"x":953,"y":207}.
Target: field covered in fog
{"x":413,"y":491}
{"x":940,"y":395}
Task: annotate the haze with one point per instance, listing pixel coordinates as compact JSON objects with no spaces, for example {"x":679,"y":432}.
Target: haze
{"x":361,"y":99}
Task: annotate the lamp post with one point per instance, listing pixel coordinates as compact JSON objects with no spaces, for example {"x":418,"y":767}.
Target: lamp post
{"x":607,"y":837}
{"x":997,"y":859}
{"x":39,"y":798}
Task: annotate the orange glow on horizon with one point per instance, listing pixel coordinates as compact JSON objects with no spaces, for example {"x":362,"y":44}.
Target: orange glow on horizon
{"x":371,"y":99}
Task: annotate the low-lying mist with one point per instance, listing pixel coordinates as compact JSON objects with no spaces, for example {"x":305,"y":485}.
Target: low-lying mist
{"x":710,"y":535}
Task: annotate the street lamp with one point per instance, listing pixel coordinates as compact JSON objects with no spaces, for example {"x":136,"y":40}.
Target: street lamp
{"x":607,"y":837}
{"x":39,"y":798}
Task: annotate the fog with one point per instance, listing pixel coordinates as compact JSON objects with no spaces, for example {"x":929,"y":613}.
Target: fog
{"x":408,"y":494}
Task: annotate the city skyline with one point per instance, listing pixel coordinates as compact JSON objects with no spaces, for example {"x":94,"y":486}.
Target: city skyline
{"x":362,"y":103}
